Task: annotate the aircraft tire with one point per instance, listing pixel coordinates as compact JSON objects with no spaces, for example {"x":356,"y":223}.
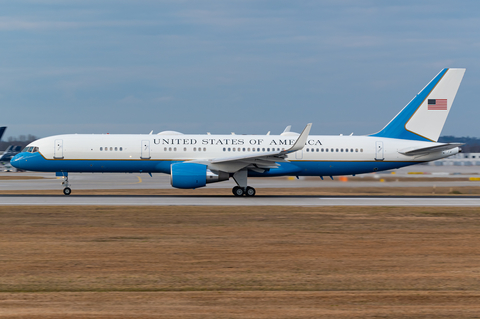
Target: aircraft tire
{"x":67,"y":191}
{"x":250,"y":191}
{"x":238,"y":191}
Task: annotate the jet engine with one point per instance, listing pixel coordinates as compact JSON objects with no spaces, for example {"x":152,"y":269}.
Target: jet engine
{"x":194,"y":175}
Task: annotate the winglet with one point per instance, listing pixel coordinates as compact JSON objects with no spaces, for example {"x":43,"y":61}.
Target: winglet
{"x":301,"y":140}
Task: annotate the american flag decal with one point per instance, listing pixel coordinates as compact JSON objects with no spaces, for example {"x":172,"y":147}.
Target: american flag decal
{"x":437,"y":104}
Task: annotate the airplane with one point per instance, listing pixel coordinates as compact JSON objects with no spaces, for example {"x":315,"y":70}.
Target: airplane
{"x":193,"y":161}
{"x":10,"y":152}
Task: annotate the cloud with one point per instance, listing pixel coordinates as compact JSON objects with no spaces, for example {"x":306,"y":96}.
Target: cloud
{"x":32,"y":24}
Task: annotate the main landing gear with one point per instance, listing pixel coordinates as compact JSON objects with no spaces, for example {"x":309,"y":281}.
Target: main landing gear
{"x":67,"y":190}
{"x":242,"y":189}
{"x":239,"y":191}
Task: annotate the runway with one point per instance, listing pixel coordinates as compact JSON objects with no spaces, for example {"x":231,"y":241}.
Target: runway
{"x":138,"y":182}
{"x":159,"y":200}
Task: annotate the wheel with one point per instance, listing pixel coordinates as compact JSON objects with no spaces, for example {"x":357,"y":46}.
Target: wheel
{"x":250,"y":191}
{"x":67,"y":191}
{"x":238,"y":191}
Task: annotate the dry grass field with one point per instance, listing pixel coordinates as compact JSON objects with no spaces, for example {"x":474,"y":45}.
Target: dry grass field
{"x":239,"y":262}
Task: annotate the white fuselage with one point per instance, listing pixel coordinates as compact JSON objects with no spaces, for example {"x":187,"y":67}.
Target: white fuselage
{"x":342,"y":153}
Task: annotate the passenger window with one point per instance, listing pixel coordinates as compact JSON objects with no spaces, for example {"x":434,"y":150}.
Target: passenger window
{"x":101,"y":148}
{"x":331,"y":150}
{"x":111,"y":148}
{"x":356,"y":150}
{"x":170,"y":149}
{"x":326,"y":150}
{"x":106,"y":148}
{"x":121,"y":149}
{"x":224,"y":149}
{"x":249,"y":149}
{"x":351,"y":150}
{"x":337,"y":149}
{"x":229,"y":149}
{"x":204,"y":149}
{"x":361,"y":150}
{"x":165,"y":149}
{"x":174,"y":149}
{"x":194,"y":149}
{"x":116,"y":149}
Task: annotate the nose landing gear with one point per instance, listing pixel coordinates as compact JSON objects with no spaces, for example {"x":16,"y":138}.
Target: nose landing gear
{"x":67,"y":190}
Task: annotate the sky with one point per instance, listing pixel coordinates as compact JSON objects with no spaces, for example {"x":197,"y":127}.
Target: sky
{"x":219,"y":66}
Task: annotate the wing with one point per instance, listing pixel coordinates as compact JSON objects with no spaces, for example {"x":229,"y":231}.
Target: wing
{"x":258,"y":162}
{"x":430,"y":149}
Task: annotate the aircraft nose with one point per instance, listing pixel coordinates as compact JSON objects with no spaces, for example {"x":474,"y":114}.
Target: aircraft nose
{"x":17,"y":160}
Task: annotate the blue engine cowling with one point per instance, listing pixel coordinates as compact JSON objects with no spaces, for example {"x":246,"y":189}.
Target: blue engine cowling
{"x":188,"y":175}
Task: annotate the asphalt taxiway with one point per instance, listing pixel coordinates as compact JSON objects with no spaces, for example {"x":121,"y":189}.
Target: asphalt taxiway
{"x":136,"y":181}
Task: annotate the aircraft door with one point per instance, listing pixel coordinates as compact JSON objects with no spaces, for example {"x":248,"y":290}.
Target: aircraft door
{"x":299,"y":154}
{"x":58,"y":151}
{"x":145,"y":153}
{"x":379,"y":152}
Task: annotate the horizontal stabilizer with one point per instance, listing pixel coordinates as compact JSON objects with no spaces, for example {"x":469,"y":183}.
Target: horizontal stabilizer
{"x":430,"y":149}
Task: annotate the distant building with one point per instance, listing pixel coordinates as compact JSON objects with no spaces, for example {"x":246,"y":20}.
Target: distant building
{"x":461,"y":159}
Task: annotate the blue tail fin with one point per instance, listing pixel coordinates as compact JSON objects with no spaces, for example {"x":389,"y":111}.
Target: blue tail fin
{"x":423,"y":118}
{"x":2,"y":130}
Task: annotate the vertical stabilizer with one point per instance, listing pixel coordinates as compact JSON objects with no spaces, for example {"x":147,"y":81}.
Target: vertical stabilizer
{"x":424,"y":117}
{"x":2,"y":130}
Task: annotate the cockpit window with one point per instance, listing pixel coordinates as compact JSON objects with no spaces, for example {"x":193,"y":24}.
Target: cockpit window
{"x":30,"y":149}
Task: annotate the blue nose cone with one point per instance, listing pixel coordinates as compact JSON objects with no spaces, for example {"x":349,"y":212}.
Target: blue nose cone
{"x":18,"y":160}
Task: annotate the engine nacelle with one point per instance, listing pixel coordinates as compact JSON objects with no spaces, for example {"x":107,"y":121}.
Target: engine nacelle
{"x":193,"y":175}
{"x":188,"y":175}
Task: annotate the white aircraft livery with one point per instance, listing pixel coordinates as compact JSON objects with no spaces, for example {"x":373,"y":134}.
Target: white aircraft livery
{"x":196,"y":160}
